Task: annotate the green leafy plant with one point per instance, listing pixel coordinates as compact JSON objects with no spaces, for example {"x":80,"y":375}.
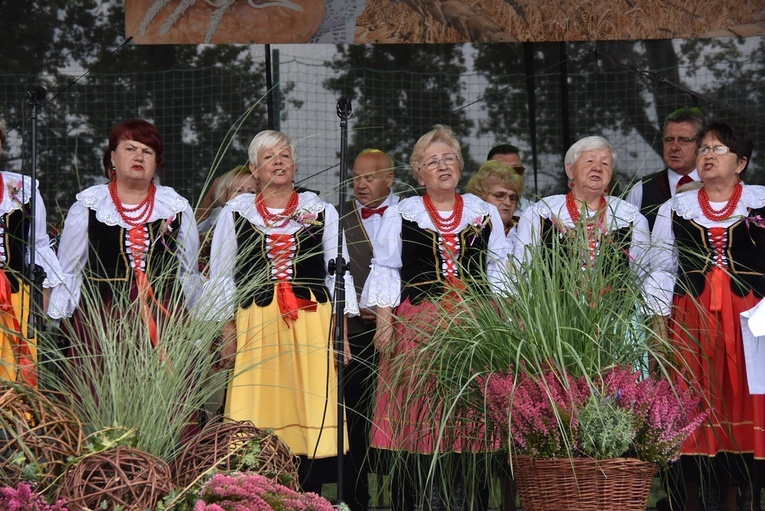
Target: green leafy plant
{"x":606,"y":429}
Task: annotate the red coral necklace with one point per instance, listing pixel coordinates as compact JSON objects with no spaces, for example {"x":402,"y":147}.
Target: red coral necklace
{"x":134,"y":215}
{"x":271,"y":219}
{"x":718,"y":215}
{"x":449,"y":223}
{"x":574,"y":211}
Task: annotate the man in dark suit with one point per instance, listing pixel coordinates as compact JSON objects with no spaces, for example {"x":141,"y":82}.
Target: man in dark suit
{"x":372,"y":181}
{"x":680,"y":132}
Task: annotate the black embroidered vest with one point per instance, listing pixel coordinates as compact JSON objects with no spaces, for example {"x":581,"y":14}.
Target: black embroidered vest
{"x":15,"y":241}
{"x":743,"y":256}
{"x":253,"y":275}
{"x":109,"y":260}
{"x":615,"y":240}
{"x":655,"y":193}
{"x":422,"y":273}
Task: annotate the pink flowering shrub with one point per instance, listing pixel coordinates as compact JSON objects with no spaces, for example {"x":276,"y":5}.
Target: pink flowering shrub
{"x":23,"y":498}
{"x":540,"y":415}
{"x":252,"y":492}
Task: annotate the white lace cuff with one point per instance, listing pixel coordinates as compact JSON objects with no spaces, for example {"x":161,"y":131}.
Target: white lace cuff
{"x":658,"y":290}
{"x":499,"y":277}
{"x":64,"y":297}
{"x":382,"y":288}
{"x":193,"y":287}
{"x":351,"y":303}
{"x":217,"y":300}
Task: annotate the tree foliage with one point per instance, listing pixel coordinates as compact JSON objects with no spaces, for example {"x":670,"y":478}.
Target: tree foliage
{"x":163,"y":84}
{"x":398,"y":93}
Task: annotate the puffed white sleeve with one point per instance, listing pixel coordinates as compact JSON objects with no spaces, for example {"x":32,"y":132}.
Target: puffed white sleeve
{"x":499,"y":248}
{"x":329,"y":244}
{"x":660,"y":283}
{"x":44,"y":255}
{"x":527,"y":236}
{"x":218,"y":298}
{"x":383,"y":285}
{"x":640,"y":246}
{"x":188,"y":254}
{"x":72,"y":257}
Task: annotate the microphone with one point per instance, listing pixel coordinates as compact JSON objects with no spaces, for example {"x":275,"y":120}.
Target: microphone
{"x":344,"y":109}
{"x":36,"y":93}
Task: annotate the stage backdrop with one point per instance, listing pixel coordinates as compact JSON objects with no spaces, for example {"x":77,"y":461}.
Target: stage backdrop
{"x":435,"y":21}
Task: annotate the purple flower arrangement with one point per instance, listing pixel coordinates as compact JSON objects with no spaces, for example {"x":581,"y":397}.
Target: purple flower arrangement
{"x":540,"y":415}
{"x":252,"y":492}
{"x":24,"y":498}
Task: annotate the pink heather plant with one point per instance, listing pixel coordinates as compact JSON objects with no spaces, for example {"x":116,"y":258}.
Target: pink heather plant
{"x":252,"y":492}
{"x":540,"y":415}
{"x":23,"y":498}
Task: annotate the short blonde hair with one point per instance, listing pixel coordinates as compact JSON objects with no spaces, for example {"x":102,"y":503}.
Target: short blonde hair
{"x":226,"y":183}
{"x":493,"y":169}
{"x":439,"y":134}
{"x":267,"y":139}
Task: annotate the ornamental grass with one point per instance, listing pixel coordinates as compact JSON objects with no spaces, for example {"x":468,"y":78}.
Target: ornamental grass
{"x":569,"y":341}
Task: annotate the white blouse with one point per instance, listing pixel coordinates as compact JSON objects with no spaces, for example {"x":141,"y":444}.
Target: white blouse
{"x":664,"y":255}
{"x":619,"y":215}
{"x":17,"y":192}
{"x":74,"y":246}
{"x":383,"y":286}
{"x":218,"y":300}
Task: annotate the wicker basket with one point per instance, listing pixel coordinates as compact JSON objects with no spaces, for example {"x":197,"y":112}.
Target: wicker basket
{"x":583,"y":484}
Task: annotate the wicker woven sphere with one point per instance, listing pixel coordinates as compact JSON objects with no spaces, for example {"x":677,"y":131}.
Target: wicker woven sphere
{"x":34,"y":426}
{"x":228,"y":446}
{"x":121,"y":476}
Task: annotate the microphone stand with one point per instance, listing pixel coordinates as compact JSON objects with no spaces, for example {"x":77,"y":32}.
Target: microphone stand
{"x":34,"y":274}
{"x":340,"y":267}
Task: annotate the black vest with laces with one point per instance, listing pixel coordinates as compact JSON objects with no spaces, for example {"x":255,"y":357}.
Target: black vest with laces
{"x":15,"y":241}
{"x":743,"y":255}
{"x":615,"y":240}
{"x":253,"y":275}
{"x":422,"y":274}
{"x":109,"y":259}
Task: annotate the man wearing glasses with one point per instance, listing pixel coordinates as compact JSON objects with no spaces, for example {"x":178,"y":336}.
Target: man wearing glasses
{"x":510,"y":155}
{"x":681,"y":128}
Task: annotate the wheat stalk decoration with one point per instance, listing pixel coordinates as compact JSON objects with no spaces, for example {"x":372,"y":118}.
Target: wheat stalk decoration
{"x":221,"y":7}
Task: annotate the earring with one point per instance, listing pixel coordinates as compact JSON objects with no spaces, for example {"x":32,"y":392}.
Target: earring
{"x":570,"y":183}
{"x":293,"y":181}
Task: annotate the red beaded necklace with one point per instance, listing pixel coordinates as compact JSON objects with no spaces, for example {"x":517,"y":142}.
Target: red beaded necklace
{"x":2,"y":188}
{"x":574,"y":211}
{"x":450,"y":223}
{"x":134,"y":215}
{"x":284,"y":217}
{"x":718,"y":215}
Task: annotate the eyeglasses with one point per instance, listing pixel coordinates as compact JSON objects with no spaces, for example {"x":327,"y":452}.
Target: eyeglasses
{"x":718,"y":149}
{"x":432,"y":164}
{"x":502,"y":196}
{"x":682,"y":140}
{"x":519,"y":169}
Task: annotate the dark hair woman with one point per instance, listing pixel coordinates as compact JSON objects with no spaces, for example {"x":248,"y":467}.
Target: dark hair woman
{"x":707,"y":255}
{"x":130,"y":234}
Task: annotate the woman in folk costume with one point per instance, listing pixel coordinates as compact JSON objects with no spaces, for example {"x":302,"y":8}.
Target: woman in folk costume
{"x":268,"y":268}
{"x":131,"y":239}
{"x":18,"y":354}
{"x":428,"y":249}
{"x":708,"y":256}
